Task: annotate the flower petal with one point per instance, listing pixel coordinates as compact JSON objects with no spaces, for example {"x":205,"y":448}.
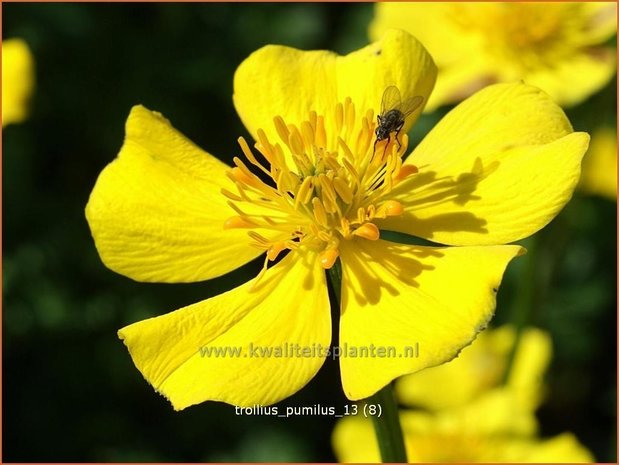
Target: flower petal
{"x":573,"y":79}
{"x":189,"y":355}
{"x":599,"y":21}
{"x":17,"y":80}
{"x":277,"y":80}
{"x":481,"y":367}
{"x":564,"y":448}
{"x":599,"y":167}
{"x":462,"y":69}
{"x":496,"y":169}
{"x":156,"y":212}
{"x":402,"y":296}
{"x":490,"y":429}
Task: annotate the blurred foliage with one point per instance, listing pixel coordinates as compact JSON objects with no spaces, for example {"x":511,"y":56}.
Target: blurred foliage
{"x":71,"y":392}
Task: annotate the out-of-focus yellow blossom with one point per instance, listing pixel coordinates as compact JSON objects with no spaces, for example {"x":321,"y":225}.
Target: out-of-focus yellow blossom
{"x":558,"y":46}
{"x":492,"y":428}
{"x":17,"y":80}
{"x":481,"y":367}
{"x":599,"y":167}
{"x":164,"y":210}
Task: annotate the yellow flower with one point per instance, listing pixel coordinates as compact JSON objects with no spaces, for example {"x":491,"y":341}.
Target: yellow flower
{"x":497,"y":169}
{"x":555,"y":46}
{"x":481,"y":367}
{"x":491,"y":429}
{"x":17,"y":80}
{"x":599,"y":168}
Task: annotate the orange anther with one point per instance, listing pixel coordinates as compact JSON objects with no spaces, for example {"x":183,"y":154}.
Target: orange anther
{"x":393,"y":208}
{"x":235,"y":222}
{"x":368,"y":231}
{"x":328,"y":258}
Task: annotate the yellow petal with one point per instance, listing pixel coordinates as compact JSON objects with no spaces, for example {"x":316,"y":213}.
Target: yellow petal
{"x":17,"y":80}
{"x":526,"y":378}
{"x":462,"y":72}
{"x":354,"y":441}
{"x":277,"y":80}
{"x":481,"y":367}
{"x":564,"y":448}
{"x":189,"y":355}
{"x":558,"y":46}
{"x":156,"y":212}
{"x":475,"y":433}
{"x":408,"y":297}
{"x":576,"y":77}
{"x":496,"y":169}
{"x":599,"y":168}
{"x":599,"y":21}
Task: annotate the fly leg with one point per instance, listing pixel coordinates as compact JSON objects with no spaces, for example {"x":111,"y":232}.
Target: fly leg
{"x":397,"y":133}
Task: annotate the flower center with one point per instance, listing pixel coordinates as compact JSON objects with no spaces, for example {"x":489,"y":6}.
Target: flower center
{"x":522,"y":31}
{"x":320,"y":186}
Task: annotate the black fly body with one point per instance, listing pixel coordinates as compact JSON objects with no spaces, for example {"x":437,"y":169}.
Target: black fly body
{"x":393,"y":113}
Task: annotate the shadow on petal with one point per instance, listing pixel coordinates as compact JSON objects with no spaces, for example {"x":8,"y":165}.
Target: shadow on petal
{"x":393,"y":260}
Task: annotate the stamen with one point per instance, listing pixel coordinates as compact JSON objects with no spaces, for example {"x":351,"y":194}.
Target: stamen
{"x":237,"y":222}
{"x":319,"y":212}
{"x":368,"y":231}
{"x":405,"y":171}
{"x":325,"y":187}
{"x":328,"y":257}
{"x":275,"y":250}
{"x":392,"y":208}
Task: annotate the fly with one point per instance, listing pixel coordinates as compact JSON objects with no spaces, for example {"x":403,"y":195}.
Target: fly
{"x":393,"y":113}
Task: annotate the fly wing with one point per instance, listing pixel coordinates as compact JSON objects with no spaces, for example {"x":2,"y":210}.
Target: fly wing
{"x":411,"y":104}
{"x":391,"y":100}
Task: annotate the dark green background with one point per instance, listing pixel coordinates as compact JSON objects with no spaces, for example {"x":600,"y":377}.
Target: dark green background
{"x":71,"y":392}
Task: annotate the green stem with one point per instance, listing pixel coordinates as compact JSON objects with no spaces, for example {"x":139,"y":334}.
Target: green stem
{"x":524,"y":303}
{"x":387,"y":426}
{"x":386,"y":420}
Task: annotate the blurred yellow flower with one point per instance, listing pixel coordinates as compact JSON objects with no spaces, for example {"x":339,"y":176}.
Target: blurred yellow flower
{"x":481,"y":367}
{"x":167,"y":211}
{"x":17,"y":80}
{"x":492,"y":428}
{"x":559,"y":47}
{"x":599,"y":167}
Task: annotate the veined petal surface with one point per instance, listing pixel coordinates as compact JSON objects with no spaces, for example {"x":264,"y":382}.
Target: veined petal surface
{"x":156,"y":212}
{"x":189,"y":355}
{"x":278,"y":80}
{"x":401,"y":296}
{"x":496,"y":169}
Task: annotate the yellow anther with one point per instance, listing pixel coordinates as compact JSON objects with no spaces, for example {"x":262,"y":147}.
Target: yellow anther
{"x":371,"y":212}
{"x":305,"y":191}
{"x":239,"y":175}
{"x":339,"y":117}
{"x":328,"y":257}
{"x":345,"y":225}
{"x":231,"y":195}
{"x":264,"y":146}
{"x":319,"y":212}
{"x":321,"y":133}
{"x":308,"y":133}
{"x":282,"y":129}
{"x":237,"y":222}
{"x":342,"y":189}
{"x":360,"y":215}
{"x":258,"y":238}
{"x":368,"y":231}
{"x":295,"y":140}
